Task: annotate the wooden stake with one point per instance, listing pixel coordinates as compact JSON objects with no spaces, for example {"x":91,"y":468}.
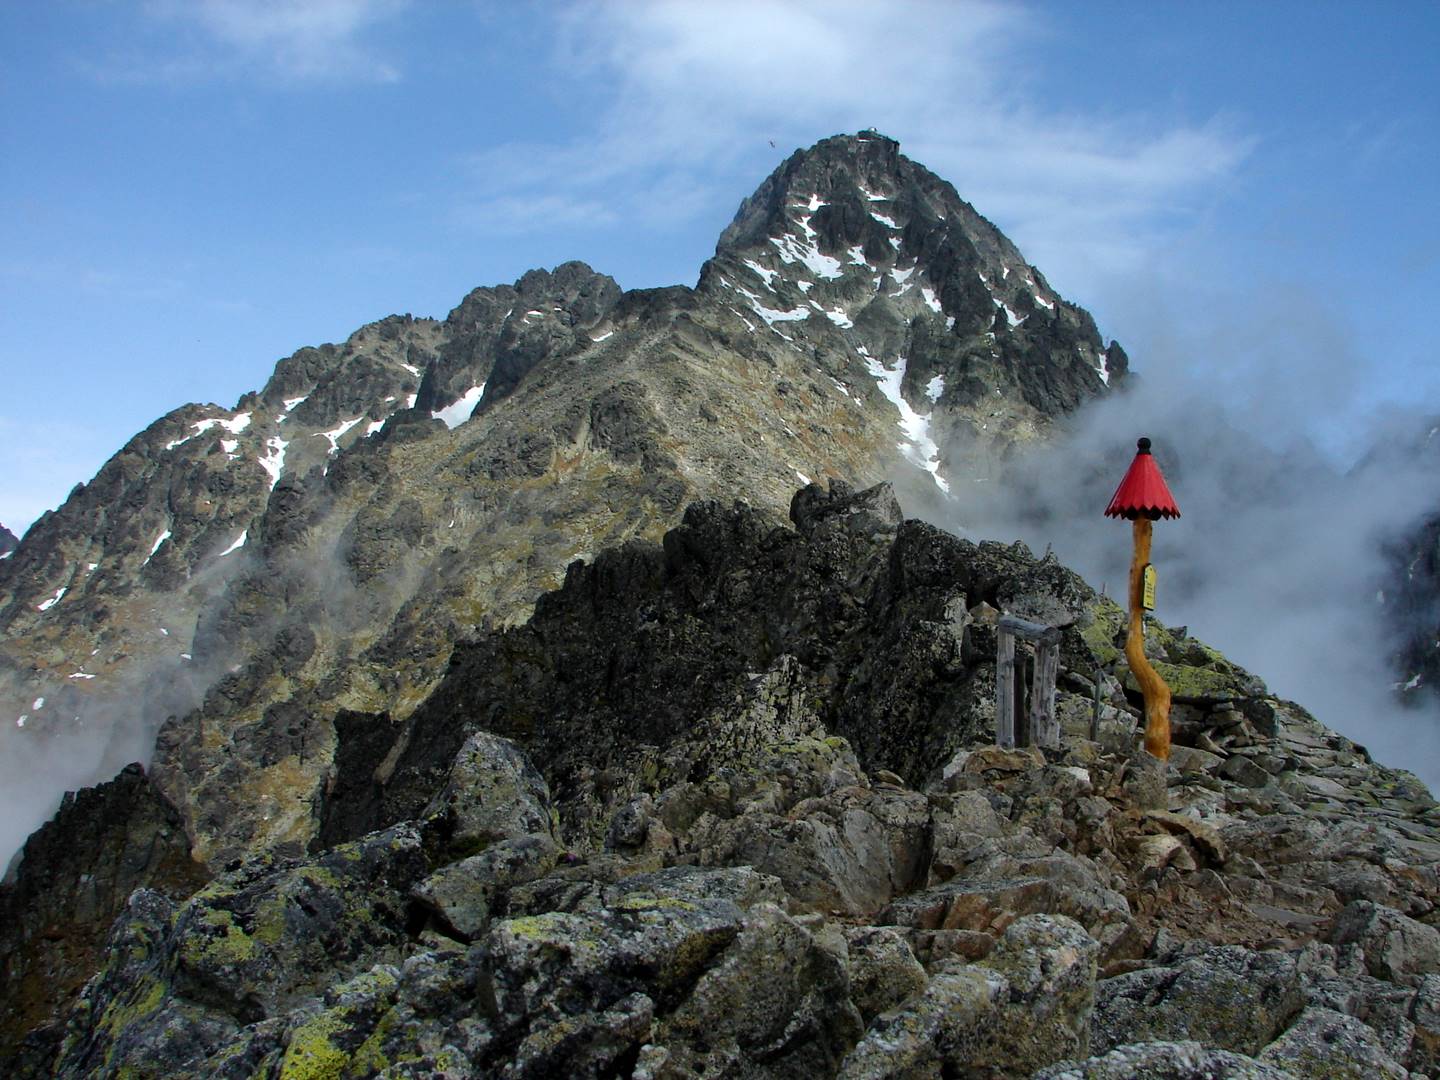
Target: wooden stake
{"x":1157,"y":694}
{"x":1005,"y":689}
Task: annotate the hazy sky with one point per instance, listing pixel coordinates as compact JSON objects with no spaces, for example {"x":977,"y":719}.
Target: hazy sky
{"x":192,"y":189}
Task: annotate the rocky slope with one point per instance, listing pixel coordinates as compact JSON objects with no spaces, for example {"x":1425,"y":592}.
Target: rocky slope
{"x":237,"y":574}
{"x":729,"y":805}
{"x":8,"y":542}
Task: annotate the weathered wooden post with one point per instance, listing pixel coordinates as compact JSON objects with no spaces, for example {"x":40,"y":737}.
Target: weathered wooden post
{"x":1044,"y":727}
{"x":1004,"y":687}
{"x":1144,"y":498}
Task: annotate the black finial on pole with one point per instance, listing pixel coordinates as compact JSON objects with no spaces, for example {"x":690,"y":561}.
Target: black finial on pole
{"x":1143,"y":445}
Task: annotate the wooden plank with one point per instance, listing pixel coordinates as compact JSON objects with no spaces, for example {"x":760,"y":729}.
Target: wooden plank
{"x":1044,"y":726}
{"x":1024,"y":680}
{"x":1004,"y":688}
{"x":1031,"y":631}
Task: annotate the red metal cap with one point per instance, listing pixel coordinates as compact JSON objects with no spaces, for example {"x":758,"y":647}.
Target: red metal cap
{"x":1143,"y":492}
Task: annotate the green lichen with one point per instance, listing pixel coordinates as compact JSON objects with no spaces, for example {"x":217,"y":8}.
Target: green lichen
{"x":230,"y":946}
{"x":143,"y":999}
{"x":1105,"y":623}
{"x":311,"y":1054}
{"x":1192,"y":682}
{"x":654,"y":903}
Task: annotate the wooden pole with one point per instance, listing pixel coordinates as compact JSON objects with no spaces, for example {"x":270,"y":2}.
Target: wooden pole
{"x":1005,"y":689}
{"x":1157,"y":694}
{"x":1044,"y":727}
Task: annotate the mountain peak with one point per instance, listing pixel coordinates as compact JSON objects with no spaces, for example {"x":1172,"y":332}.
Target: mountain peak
{"x":851,"y":244}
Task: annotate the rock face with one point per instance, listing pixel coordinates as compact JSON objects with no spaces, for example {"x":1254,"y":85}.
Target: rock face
{"x":729,"y":805}
{"x":8,"y":542}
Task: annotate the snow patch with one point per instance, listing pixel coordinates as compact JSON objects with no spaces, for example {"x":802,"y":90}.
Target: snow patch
{"x":372,"y":428}
{"x":883,"y":220}
{"x":274,"y":461}
{"x":7,"y":555}
{"x":772,"y":316}
{"x":857,"y":256}
{"x":602,"y":337}
{"x":1104,"y":370}
{"x":803,"y":478}
{"x":931,"y":300}
{"x":808,"y":254}
{"x":410,"y":401}
{"x":1010,"y":316}
{"x":156,"y":545}
{"x":335,"y":434}
{"x":80,"y":675}
{"x":234,"y":425}
{"x":935,"y":387}
{"x":291,"y":402}
{"x":411,"y":368}
{"x":458,"y":412}
{"x":763,"y":273}
{"x":839,"y":318}
{"x":917,"y":445}
{"x":236,"y":546}
{"x":872,"y":196}
{"x":229,"y":446}
{"x":1046,"y":304}
{"x":39,"y":703}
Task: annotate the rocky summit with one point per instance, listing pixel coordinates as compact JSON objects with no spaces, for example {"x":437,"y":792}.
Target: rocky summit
{"x":555,"y":690}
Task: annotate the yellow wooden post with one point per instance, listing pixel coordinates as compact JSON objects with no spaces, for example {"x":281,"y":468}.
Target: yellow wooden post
{"x":1157,"y":693}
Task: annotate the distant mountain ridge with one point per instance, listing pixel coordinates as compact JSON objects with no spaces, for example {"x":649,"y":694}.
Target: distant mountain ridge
{"x":323,"y":544}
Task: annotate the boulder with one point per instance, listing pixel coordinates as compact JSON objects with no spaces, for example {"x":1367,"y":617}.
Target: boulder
{"x":1385,"y":943}
{"x":492,"y":793}
{"x":1229,"y":997}
{"x":1186,"y":1060}
{"x":1323,"y":1042}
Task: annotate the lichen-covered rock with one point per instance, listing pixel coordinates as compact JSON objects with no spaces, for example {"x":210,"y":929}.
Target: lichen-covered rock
{"x":492,"y":793}
{"x":883,"y":969}
{"x":1325,"y":1043}
{"x":1228,"y":997}
{"x":1048,"y":962}
{"x":1386,"y":943}
{"x":462,"y":896}
{"x":777,"y":1004}
{"x":1182,"y":1060}
{"x":947,"y":1022}
{"x":181,"y":981}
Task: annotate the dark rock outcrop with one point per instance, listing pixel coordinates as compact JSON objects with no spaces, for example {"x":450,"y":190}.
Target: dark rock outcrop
{"x":72,"y":879}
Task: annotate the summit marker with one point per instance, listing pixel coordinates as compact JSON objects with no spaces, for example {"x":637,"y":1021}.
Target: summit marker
{"x":1144,"y":497}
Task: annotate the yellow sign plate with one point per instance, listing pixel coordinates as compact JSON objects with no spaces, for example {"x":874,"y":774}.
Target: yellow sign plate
{"x":1147,"y":588}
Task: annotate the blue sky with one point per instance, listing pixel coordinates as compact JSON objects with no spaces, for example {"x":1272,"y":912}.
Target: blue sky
{"x":192,"y":189}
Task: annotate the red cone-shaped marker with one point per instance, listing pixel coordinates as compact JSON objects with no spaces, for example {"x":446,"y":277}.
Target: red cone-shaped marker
{"x":1143,"y":492}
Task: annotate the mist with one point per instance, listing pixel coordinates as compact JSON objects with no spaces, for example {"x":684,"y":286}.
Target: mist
{"x":1278,"y":558}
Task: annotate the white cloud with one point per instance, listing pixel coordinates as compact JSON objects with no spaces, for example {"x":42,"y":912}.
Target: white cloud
{"x":299,"y":40}
{"x":680,"y":88}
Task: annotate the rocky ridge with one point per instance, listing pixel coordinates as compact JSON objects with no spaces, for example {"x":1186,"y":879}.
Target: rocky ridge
{"x":237,"y":575}
{"x":730,"y":805}
{"x":8,"y":542}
